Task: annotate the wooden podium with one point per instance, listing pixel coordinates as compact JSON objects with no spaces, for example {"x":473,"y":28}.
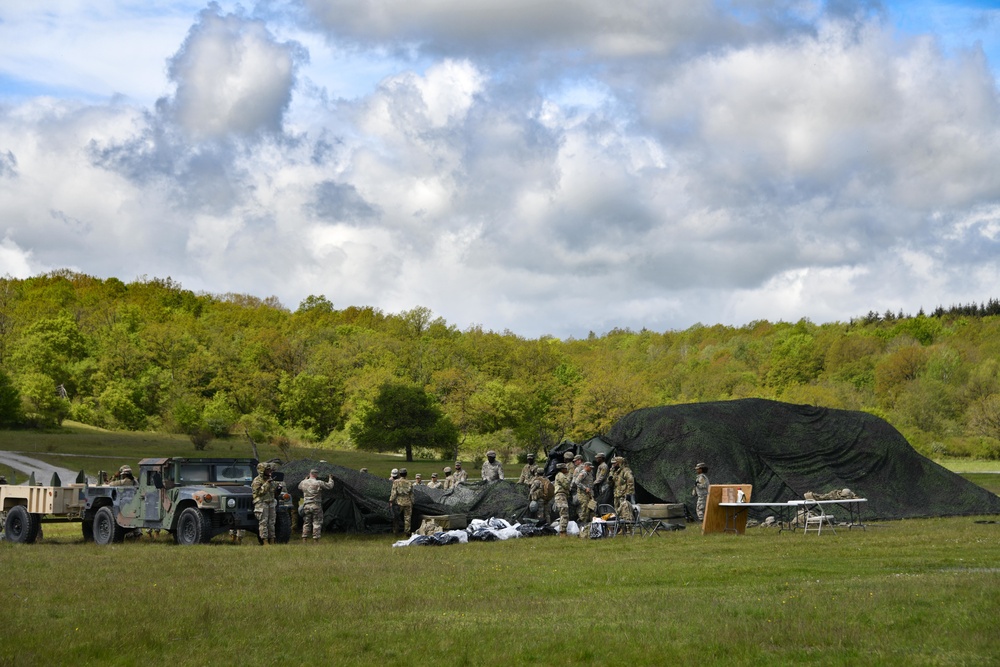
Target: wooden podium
{"x":715,"y":520}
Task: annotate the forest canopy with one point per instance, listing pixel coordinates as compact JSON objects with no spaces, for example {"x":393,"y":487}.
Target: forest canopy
{"x":151,"y":355}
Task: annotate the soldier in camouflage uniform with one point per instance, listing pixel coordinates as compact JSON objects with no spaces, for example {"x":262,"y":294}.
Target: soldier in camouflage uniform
{"x":585,"y":493}
{"x":528,"y":472}
{"x":624,"y":488}
{"x":492,"y":469}
{"x":312,"y":504}
{"x":418,"y":480}
{"x":700,"y":489}
{"x":435,"y":483}
{"x":459,"y":476}
{"x":600,"y":475}
{"x":562,"y":497}
{"x":123,"y":477}
{"x":449,"y":479}
{"x":264,"y":502}
{"x":537,"y":494}
{"x":570,"y":467}
{"x":402,"y":495}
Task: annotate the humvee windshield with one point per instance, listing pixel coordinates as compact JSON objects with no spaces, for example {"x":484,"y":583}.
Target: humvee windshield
{"x":212,"y":473}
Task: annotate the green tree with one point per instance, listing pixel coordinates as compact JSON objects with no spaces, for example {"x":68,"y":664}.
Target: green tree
{"x":118,"y":408}
{"x":40,"y":400}
{"x":219,"y":415}
{"x":10,"y":402}
{"x":50,"y":347}
{"x":402,"y":417}
{"x":311,"y":403}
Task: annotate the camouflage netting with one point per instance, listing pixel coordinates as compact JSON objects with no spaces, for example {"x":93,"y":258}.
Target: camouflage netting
{"x":359,"y":502}
{"x":786,"y":450}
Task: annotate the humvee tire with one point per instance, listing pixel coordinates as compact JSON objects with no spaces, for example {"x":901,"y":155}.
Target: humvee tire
{"x":193,"y":527}
{"x":282,"y":527}
{"x":106,"y":528}
{"x":21,"y":526}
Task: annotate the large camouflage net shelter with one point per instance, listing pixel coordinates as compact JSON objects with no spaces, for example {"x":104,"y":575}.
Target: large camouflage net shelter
{"x":785,"y":450}
{"x":359,"y":501}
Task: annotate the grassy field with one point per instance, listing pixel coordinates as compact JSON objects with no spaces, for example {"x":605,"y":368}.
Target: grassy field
{"x":920,"y":592}
{"x":909,"y":593}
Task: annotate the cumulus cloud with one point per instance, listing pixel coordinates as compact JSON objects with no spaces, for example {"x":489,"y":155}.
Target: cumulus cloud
{"x":544,"y":167}
{"x":232,"y":77}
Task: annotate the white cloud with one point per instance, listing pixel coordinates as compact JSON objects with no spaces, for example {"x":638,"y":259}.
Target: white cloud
{"x":232,"y":77}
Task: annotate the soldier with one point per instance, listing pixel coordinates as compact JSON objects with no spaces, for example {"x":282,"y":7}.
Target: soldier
{"x":528,"y":472}
{"x":585,"y":493}
{"x":600,"y":474}
{"x":449,"y":480}
{"x":460,"y":476}
{"x":393,"y":507}
{"x":492,"y":469}
{"x":418,"y":481}
{"x":700,"y":489}
{"x":568,"y":460}
{"x":562,"y":497}
{"x":574,"y":470}
{"x":123,"y":477}
{"x":540,"y":495}
{"x":434,"y":483}
{"x":312,"y":504}
{"x":264,"y":503}
{"x":624,"y":488}
{"x":402,"y":495}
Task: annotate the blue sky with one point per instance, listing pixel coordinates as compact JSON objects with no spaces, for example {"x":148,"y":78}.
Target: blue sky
{"x":548,"y":168}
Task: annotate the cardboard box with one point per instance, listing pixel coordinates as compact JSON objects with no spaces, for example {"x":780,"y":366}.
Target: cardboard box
{"x":662,"y":511}
{"x":450,"y":521}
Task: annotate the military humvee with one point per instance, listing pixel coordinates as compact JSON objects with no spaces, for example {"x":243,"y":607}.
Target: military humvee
{"x":192,"y":498}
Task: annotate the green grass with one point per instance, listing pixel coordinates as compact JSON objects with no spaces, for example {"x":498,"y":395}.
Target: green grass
{"x":922,"y":592}
{"x":969,"y":465}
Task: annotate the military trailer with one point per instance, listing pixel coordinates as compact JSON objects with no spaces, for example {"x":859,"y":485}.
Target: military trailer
{"x":23,"y":507}
{"x":192,"y":498}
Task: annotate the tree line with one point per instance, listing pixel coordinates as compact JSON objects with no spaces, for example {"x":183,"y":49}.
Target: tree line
{"x":151,"y":355}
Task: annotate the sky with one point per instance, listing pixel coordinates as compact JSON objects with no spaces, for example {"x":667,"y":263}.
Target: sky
{"x":548,"y":168}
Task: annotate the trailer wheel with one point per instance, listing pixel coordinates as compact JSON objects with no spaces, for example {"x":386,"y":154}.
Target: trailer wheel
{"x":193,"y":527}
{"x":282,"y":527}
{"x":21,"y":526}
{"x":88,"y":531}
{"x":106,"y":529}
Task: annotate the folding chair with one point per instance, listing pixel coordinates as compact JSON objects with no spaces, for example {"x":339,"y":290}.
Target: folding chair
{"x":612,"y":523}
{"x":813,"y":515}
{"x":650,"y":527}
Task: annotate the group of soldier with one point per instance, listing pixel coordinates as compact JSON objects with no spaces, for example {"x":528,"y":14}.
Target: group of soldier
{"x":401,"y":495}
{"x":578,"y":483}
